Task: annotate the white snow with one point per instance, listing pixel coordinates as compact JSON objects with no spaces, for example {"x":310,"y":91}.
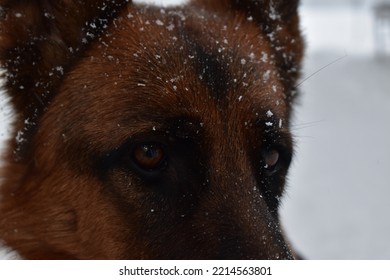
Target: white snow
{"x":5,"y":118}
{"x":161,"y":2}
{"x":337,"y":201}
{"x":159,"y":22}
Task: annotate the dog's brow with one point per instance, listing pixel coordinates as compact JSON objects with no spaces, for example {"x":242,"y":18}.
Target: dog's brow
{"x":185,"y":127}
{"x":211,"y":69}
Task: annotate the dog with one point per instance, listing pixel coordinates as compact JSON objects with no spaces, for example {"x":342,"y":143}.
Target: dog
{"x":144,"y":132}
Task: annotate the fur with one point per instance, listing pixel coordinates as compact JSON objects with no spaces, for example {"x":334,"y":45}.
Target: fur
{"x":102,"y":89}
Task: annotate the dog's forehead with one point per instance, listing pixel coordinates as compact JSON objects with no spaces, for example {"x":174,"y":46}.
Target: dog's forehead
{"x":221,"y":56}
{"x":158,"y":64}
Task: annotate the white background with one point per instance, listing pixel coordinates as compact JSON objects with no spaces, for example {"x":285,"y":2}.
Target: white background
{"x":337,"y":202}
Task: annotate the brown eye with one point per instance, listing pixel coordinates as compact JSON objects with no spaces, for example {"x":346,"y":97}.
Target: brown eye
{"x":149,"y":156}
{"x":271,"y":159}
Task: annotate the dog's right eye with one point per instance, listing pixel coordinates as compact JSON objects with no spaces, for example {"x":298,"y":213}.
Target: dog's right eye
{"x":149,"y":156}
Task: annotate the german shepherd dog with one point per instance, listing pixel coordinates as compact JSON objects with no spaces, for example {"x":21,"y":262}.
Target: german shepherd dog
{"x":147,"y":133}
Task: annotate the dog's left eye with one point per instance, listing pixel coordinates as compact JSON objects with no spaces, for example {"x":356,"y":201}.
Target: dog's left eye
{"x":271,"y":158}
{"x":149,"y":156}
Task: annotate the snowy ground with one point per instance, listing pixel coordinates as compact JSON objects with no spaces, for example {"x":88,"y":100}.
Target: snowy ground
{"x":337,"y":203}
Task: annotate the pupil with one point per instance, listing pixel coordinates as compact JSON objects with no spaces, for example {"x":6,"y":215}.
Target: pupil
{"x":272,"y":158}
{"x":148,"y":156}
{"x":150,"y":151}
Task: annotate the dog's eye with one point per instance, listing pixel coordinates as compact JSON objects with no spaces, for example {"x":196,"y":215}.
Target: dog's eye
{"x":149,"y":156}
{"x":271,"y":159}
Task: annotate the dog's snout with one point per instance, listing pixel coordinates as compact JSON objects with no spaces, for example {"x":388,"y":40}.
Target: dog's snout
{"x":246,"y":226}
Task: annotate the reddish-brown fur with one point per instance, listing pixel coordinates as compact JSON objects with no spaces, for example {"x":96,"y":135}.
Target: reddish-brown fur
{"x":89,"y":83}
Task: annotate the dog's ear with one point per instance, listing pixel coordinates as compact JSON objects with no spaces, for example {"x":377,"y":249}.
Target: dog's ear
{"x":39,"y":41}
{"x":279,"y":21}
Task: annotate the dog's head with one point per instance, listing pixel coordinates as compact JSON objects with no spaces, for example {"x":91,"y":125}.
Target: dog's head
{"x":144,"y":132}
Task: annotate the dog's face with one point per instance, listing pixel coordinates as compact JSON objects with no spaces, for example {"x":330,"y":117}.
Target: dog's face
{"x":149,"y":133}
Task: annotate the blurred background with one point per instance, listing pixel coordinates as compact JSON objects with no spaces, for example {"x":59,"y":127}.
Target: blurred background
{"x":337,"y":204}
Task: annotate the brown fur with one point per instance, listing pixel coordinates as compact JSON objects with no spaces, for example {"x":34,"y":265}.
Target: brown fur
{"x":88,"y":83}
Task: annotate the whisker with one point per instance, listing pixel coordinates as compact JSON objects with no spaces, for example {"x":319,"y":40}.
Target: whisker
{"x":322,"y":68}
{"x":299,"y":137}
{"x":305,"y":125}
